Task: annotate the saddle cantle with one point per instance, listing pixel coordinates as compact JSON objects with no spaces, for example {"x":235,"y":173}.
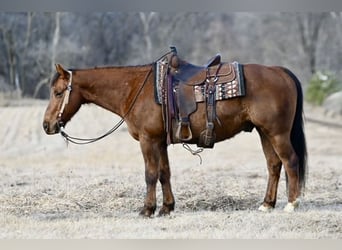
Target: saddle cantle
{"x":180,"y":85}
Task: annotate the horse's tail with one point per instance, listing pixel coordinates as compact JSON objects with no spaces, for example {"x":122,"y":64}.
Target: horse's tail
{"x":297,"y":133}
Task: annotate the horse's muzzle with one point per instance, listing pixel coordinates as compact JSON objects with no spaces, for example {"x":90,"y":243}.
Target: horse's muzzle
{"x":51,"y":129}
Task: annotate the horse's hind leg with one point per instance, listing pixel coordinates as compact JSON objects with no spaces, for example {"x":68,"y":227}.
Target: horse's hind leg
{"x":164,"y":178}
{"x":274,"y":168}
{"x":287,"y":155}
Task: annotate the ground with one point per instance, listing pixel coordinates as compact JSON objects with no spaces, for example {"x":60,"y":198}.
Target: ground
{"x":49,"y":189}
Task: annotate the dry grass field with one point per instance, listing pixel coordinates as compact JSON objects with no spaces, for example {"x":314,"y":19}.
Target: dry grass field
{"x":51,"y":190}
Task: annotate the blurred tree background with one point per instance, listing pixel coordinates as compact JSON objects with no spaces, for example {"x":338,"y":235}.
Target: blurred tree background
{"x":31,"y":43}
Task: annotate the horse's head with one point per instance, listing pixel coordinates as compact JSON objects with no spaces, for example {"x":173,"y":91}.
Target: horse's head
{"x":65,"y":100}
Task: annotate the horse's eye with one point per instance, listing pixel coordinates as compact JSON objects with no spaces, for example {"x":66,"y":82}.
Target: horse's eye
{"x":58,"y":94}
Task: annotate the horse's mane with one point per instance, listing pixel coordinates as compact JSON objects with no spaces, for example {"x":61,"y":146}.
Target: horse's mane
{"x":56,"y":75}
{"x":111,"y":67}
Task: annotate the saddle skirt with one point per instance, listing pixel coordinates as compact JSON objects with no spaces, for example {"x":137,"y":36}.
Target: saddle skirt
{"x":180,"y":85}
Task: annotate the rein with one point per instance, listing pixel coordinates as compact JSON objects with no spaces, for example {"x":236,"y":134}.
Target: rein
{"x":83,"y":141}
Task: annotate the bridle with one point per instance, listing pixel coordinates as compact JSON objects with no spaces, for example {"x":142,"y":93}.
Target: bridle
{"x":82,"y":141}
{"x":66,"y":98}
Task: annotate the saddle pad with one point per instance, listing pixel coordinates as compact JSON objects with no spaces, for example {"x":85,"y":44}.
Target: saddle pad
{"x":225,"y":89}
{"x":160,"y":71}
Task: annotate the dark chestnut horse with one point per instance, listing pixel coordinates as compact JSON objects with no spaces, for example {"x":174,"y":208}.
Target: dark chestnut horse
{"x":273,"y":104}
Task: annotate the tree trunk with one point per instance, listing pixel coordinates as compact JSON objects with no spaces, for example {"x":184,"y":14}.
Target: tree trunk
{"x":146,"y":19}
{"x":309,"y":26}
{"x":54,"y":44}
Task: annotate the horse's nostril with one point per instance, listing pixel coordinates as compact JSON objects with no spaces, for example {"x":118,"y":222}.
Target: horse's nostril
{"x":46,"y":126}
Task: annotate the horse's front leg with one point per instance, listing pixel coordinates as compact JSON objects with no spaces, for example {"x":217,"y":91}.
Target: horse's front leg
{"x":164,"y":178}
{"x":151,"y":154}
{"x":156,"y":167}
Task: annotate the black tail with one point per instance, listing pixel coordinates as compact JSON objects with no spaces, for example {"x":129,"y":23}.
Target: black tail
{"x":297,"y":133}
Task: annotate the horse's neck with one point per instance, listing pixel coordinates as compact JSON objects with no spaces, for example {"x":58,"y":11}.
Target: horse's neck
{"x":110,"y":88}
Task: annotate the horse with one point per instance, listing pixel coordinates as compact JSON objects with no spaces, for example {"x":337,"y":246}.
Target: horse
{"x":273,"y":105}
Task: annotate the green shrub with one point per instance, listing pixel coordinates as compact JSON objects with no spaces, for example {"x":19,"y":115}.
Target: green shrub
{"x":321,"y":85}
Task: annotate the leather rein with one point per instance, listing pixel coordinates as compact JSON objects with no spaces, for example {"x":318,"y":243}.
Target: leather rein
{"x":83,"y":141}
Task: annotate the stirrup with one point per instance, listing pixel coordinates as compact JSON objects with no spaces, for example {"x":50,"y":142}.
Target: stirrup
{"x":183,"y":132}
{"x":207,"y":137}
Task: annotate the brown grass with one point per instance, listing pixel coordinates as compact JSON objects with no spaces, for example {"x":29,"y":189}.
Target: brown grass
{"x":50,"y":190}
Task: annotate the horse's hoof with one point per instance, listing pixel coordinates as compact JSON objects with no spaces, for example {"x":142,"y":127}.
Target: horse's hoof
{"x":147,"y":212}
{"x":164,"y":212}
{"x":264,"y":208}
{"x":291,"y":206}
{"x":166,"y":209}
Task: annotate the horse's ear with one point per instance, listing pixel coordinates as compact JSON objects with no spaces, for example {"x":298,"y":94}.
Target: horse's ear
{"x":60,"y":70}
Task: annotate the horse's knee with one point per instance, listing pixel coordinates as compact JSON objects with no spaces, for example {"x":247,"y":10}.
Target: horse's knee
{"x":151,"y":176}
{"x":165,"y":176}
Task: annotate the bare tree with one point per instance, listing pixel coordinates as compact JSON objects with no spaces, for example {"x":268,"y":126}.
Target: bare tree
{"x":309,"y":26}
{"x":146,"y":19}
{"x":55,"y":39}
{"x":11,"y":56}
{"x":16,"y":34}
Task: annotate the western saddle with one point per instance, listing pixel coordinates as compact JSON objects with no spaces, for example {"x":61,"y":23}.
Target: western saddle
{"x":180,"y":85}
